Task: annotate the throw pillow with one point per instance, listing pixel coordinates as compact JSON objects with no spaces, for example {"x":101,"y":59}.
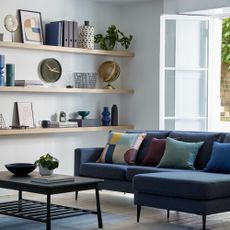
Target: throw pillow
{"x":155,"y":152}
{"x":179,"y":154}
{"x":121,"y":147}
{"x":220,"y":158}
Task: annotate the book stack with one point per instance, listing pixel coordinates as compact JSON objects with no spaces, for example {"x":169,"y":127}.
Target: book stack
{"x":31,"y":83}
{"x":61,"y":33}
{"x":52,"y":179}
{"x":68,"y":124}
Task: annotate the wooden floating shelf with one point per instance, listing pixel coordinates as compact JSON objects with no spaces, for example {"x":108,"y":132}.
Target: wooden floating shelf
{"x":31,"y":131}
{"x":64,"y":90}
{"x":16,"y":45}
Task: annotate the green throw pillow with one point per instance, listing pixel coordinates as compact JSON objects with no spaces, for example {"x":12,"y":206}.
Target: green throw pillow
{"x":179,"y":154}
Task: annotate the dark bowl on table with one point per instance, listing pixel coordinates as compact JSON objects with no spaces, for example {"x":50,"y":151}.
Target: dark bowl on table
{"x":20,"y":169}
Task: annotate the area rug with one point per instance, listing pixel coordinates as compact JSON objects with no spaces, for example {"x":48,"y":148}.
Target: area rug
{"x":83,"y":222}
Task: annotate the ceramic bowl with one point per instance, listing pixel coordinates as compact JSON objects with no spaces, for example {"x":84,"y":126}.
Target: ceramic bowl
{"x":83,"y":114}
{"x":19,"y":169}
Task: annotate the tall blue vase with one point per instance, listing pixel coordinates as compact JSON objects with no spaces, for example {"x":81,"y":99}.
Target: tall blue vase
{"x":2,"y":66}
{"x":105,"y":116}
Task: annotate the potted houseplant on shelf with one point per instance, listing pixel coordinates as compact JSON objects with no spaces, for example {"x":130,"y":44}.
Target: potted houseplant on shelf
{"x":47,"y":164}
{"x":112,"y":37}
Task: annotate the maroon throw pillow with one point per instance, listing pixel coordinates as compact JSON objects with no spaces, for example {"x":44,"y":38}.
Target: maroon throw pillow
{"x":155,"y":152}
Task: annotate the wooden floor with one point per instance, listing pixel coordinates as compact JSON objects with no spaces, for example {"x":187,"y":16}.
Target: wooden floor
{"x":122,"y":204}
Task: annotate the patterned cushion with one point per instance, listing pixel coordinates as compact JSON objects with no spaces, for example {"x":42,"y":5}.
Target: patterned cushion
{"x":122,"y":147}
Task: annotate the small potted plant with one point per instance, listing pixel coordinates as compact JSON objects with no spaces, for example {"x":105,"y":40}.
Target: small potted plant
{"x":47,"y":164}
{"x":113,"y":36}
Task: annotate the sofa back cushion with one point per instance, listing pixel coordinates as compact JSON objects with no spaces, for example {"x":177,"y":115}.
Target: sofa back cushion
{"x":204,"y":153}
{"x":160,"y":134}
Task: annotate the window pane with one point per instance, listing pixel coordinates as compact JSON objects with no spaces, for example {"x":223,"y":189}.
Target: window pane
{"x":185,"y":93}
{"x":186,"y":43}
{"x":185,"y":124}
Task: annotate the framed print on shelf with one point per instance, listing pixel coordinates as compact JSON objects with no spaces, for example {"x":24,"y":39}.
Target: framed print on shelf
{"x":25,"y":114}
{"x":31,"y":27}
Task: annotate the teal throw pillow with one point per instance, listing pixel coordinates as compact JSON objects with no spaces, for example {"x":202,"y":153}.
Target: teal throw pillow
{"x":179,"y":154}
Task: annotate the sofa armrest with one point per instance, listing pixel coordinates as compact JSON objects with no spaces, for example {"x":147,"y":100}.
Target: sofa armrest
{"x":83,"y":155}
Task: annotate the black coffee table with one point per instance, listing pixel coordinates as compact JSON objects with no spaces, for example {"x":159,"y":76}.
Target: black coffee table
{"x":45,"y":212}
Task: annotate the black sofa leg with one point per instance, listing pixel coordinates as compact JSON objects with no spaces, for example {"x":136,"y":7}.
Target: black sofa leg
{"x":138,"y":212}
{"x":76,"y":195}
{"x":168,"y":214}
{"x":204,"y":222}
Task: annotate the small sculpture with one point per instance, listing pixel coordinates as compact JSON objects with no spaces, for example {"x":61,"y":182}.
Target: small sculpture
{"x":11,"y":24}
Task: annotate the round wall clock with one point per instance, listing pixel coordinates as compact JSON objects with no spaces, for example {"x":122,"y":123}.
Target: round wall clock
{"x":50,"y":70}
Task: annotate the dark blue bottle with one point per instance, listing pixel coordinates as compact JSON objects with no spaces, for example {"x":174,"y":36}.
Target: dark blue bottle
{"x":105,"y":116}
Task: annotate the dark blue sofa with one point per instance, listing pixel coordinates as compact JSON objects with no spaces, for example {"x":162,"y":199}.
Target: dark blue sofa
{"x":171,"y":189}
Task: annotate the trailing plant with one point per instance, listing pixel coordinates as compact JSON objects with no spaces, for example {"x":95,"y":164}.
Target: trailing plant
{"x":225,"y":53}
{"x":113,"y":36}
{"x":47,"y":161}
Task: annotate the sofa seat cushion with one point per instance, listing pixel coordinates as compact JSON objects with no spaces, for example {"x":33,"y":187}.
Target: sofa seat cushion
{"x":136,"y":169}
{"x":188,"y":185}
{"x":104,"y":170}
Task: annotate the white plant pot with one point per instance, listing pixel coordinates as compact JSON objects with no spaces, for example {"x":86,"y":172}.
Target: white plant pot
{"x":45,"y":171}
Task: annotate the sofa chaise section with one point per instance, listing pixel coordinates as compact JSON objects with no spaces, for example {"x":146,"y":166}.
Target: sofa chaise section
{"x":193,"y":192}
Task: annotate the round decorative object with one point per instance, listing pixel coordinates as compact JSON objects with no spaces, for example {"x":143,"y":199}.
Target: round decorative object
{"x":109,"y":71}
{"x":20,"y":169}
{"x":10,"y":23}
{"x":50,"y":70}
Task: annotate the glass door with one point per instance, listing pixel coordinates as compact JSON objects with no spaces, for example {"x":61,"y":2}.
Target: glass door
{"x":184,"y":72}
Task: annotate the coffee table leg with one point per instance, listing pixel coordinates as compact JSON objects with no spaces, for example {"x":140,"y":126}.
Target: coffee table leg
{"x":19,"y":195}
{"x":99,"y":218}
{"x":48,"y":217}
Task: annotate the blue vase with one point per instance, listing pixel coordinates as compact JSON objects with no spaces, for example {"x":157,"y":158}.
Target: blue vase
{"x":105,"y":116}
{"x":2,"y":66}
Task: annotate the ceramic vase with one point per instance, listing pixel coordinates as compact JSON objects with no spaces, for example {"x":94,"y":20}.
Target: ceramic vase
{"x":114,"y":115}
{"x":105,"y":116}
{"x":86,"y":36}
{"x":2,"y":66}
{"x":45,"y":171}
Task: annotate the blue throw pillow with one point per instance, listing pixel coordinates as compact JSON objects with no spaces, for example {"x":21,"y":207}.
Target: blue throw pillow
{"x":179,"y":154}
{"x":220,"y":158}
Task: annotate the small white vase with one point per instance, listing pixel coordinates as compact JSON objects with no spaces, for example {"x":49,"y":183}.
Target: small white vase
{"x":45,"y":171}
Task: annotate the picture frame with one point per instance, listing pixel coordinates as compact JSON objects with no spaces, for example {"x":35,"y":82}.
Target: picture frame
{"x":31,"y":27}
{"x":25,"y":114}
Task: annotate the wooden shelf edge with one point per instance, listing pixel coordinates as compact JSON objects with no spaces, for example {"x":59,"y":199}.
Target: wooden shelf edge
{"x":63,"y":90}
{"x":17,"y":45}
{"x":32,"y":131}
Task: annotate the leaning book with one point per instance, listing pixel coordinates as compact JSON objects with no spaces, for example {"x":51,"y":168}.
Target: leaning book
{"x":52,"y":179}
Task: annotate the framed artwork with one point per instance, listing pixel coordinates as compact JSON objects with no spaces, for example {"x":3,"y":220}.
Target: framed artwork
{"x":25,"y":114}
{"x":31,"y":27}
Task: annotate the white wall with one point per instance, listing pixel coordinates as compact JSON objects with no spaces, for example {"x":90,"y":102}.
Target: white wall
{"x":175,"y":6}
{"x":29,"y":148}
{"x":143,"y":21}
